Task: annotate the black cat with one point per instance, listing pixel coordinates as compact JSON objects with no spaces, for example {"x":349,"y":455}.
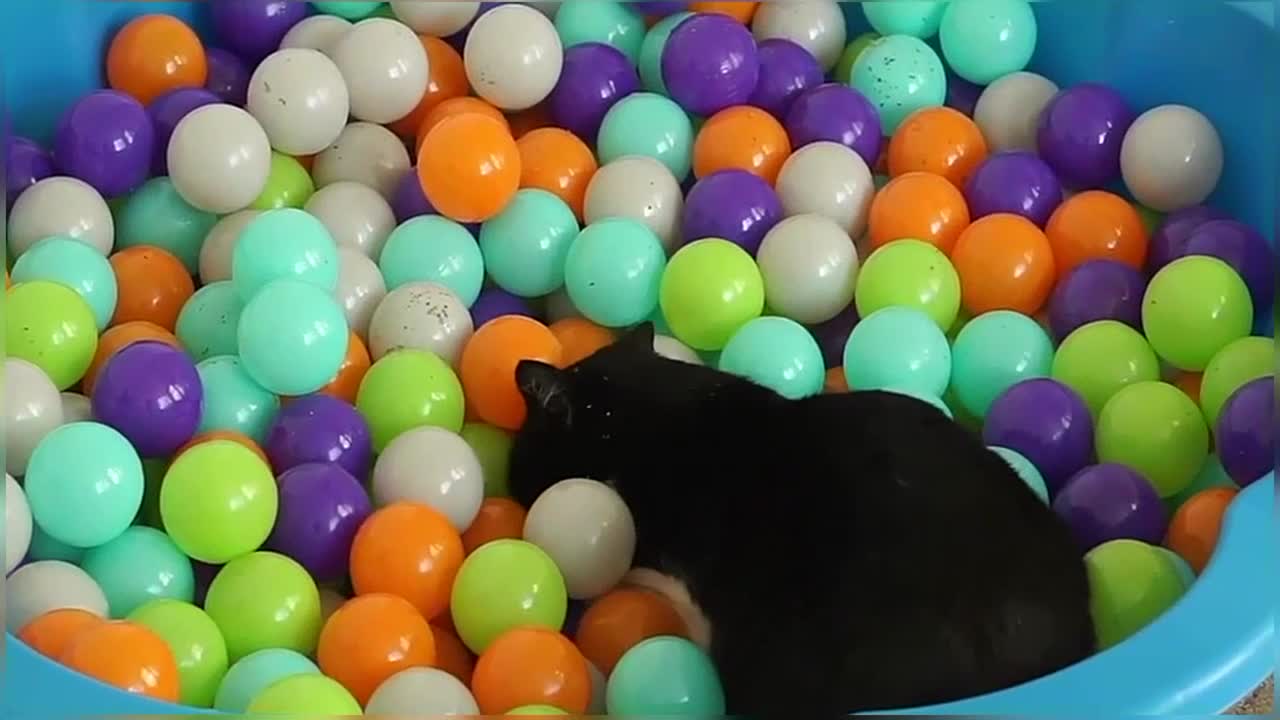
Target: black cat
{"x":852,"y":552}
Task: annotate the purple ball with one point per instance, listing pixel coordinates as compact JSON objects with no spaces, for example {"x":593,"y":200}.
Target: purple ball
{"x":833,"y":335}
{"x":319,"y":429}
{"x":204,"y":574}
{"x":731,"y":204}
{"x":1245,"y":431}
{"x":321,"y":508}
{"x":786,"y":70}
{"x":106,"y":139}
{"x":151,"y":393}
{"x":1013,"y":182}
{"x":1097,"y":290}
{"x":962,"y":95}
{"x":409,"y":201}
{"x":710,"y":62}
{"x":253,"y":29}
{"x":1048,"y":423}
{"x":496,"y":302}
{"x":1080,"y":133}
{"x":658,"y":8}
{"x":837,"y":113}
{"x":25,"y":164}
{"x":594,"y":77}
{"x":1110,"y":502}
{"x":228,"y":77}
{"x":1244,"y":249}
{"x":166,"y":111}
{"x":1169,"y":241}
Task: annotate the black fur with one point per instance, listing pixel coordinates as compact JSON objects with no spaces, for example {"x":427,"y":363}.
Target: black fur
{"x":852,"y":552}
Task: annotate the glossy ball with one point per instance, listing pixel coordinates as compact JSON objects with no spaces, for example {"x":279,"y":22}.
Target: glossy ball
{"x":555,"y":160}
{"x":1233,"y":366}
{"x":710,"y":63}
{"x":292,"y":337}
{"x":1046,"y":422}
{"x":1131,"y":583}
{"x":612,"y":271}
{"x":321,"y":506}
{"x":786,"y":70}
{"x":1109,"y":502}
{"x":1099,"y":358}
{"x":913,"y":274}
{"x":301,"y":99}
{"x":513,"y":56}
{"x":710,"y":289}
{"x":993,"y":352}
{"x":1080,"y":132}
{"x":421,"y":690}
{"x":489,"y":361}
{"x":744,"y":138}
{"x":1097,"y":290}
{"x":1171,"y":158}
{"x":777,"y":353}
{"x":503,"y":585}
{"x":809,"y":267}
{"x":421,"y":316}
{"x":218,"y":501}
{"x":818,"y":27}
{"x":385,"y":68}
{"x":899,"y":74}
{"x":233,"y":399}
{"x":651,"y":125}
{"x":983,"y":40}
{"x":1193,"y":308}
{"x":1004,"y":263}
{"x":219,"y":158}
{"x":257,"y":671}
{"x":45,"y":585}
{"x":527,"y":666}
{"x":60,"y":205}
{"x":264,"y":600}
{"x":137,"y":566}
{"x":1154,"y":428}
{"x":828,"y":179}
{"x":410,"y":550}
{"x":433,"y":249}
{"x":918,"y":206}
{"x":641,"y":188}
{"x":525,"y":245}
{"x":128,"y":656}
{"x":1243,"y":434}
{"x":595,"y":77}
{"x":407,"y":389}
{"x":469,"y":166}
{"x":732,"y":204}
{"x":152,"y":394}
{"x":107,"y":140}
{"x":432,"y":466}
{"x":898,"y":347}
{"x":51,"y":326}
{"x":836,"y":113}
{"x":153,"y":54}
{"x":1015,"y":182}
{"x":84,"y":484}
{"x":1244,"y":249}
{"x":938,"y":140}
{"x":665,"y":676}
{"x":314,"y":695}
{"x":1096,"y":225}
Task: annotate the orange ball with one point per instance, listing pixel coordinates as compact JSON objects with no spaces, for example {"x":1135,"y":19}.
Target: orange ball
{"x":526,"y":121}
{"x":119,"y":337}
{"x":346,"y":384}
{"x":921,"y":206}
{"x":1194,"y":529}
{"x":231,"y":435}
{"x":452,"y":656}
{"x":740,"y":11}
{"x":937,"y":140}
{"x":51,"y":633}
{"x":1005,"y":263}
{"x":153,"y":54}
{"x":579,"y":338}
{"x":409,"y":550}
{"x":742,"y":138}
{"x":153,"y":285}
{"x":499,"y":518}
{"x":126,"y":655}
{"x":835,"y":381}
{"x":1189,"y":383}
{"x":369,"y":639}
{"x":469,"y":167}
{"x":622,"y":619}
{"x":1096,"y":225}
{"x":531,"y":666}
{"x":447,"y":78}
{"x":451,"y":108}
{"x":557,"y":161}
{"x":488,"y":366}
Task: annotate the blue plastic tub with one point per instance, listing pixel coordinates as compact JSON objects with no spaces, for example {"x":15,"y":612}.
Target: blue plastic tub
{"x":1212,"y":648}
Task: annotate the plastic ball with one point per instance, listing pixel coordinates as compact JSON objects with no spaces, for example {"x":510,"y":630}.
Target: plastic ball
{"x":321,"y":32}
{"x":292,"y":337}
{"x":433,"y":249}
{"x":622,"y":619}
{"x":371,"y":638}
{"x":513,"y":56}
{"x":469,"y":167}
{"x":228,"y":76}
{"x":139,"y":565}
{"x":408,"y":549}
{"x":314,"y":695}
{"x":284,"y":243}
{"x":836,"y":113}
{"x":1169,"y":239}
{"x":1004,"y":262}
{"x":432,"y":466}
{"x":106,"y":139}
{"x":525,"y":245}
{"x":385,"y":69}
{"x":710,"y":289}
{"x":155,"y":53}
{"x":422,"y":691}
{"x":75,"y":407}
{"x":493,"y":447}
{"x":650,"y":125}
{"x":611,"y":23}
{"x":919,"y":19}
{"x":50,"y":633}
{"x":1131,"y":583}
{"x":60,"y":205}
{"x":665,"y":676}
{"x":652,"y":48}
{"x":435,"y":19}
{"x":46,"y":585}
{"x":898,"y":347}
{"x":1197,"y":524}
{"x":554,"y":160}
{"x":158,"y":216}
{"x":809,"y":268}
{"x":1109,"y":502}
{"x":218,"y":501}
{"x":710,"y":63}
{"x":612,"y":271}
{"x":1014,"y":182}
{"x":26,"y":163}
{"x":910,"y":273}
{"x":527,"y":666}
{"x":587,"y":530}
{"x":1154,"y":428}
{"x":1101,"y":357}
{"x":938,"y":140}
{"x":301,"y":99}
{"x":32,"y":409}
{"x":356,"y":215}
{"x":117,"y":337}
{"x":128,"y":656}
{"x":17,"y":524}
{"x":1096,"y":225}
{"x":51,"y":326}
{"x":421,"y":316}
{"x":1008,"y":110}
{"x":153,"y":286}
{"x":899,"y":74}
{"x":152,"y":394}
{"x":406,"y":389}
{"x":818,"y":27}
{"x":733,"y":204}
{"x":1080,"y":132}
{"x":257,"y":671}
{"x":500,"y":518}
{"x":831,"y":180}
{"x":983,"y":41}
{"x":1194,"y":307}
{"x":345,"y":385}
{"x":233,"y":399}
{"x":218,"y":246}
{"x":196,"y":643}
{"x":786,"y":70}
{"x":1231,"y":368}
{"x":918,"y":206}
{"x":1096,"y":290}
{"x":446,"y":79}
{"x":640,"y":188}
{"x":743,"y":138}
{"x":1025,"y":469}
{"x":219,"y":158}
{"x":255,"y":29}
{"x":489,"y":361}
{"x":360,"y":289}
{"x":1244,"y":249}
{"x":1243,"y":431}
{"x":993,"y":352}
{"x":1171,"y":158}
{"x":321,"y":507}
{"x":504,"y":585}
{"x":365,"y":153}
{"x":264,"y":600}
{"x":777,"y":353}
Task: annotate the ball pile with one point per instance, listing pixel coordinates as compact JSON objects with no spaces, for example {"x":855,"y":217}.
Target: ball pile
{"x":266,"y":300}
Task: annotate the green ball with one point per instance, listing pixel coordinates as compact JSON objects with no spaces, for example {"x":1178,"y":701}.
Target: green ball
{"x":406,"y":389}
{"x":526,"y":710}
{"x":778,"y":353}
{"x":264,"y":600}
{"x":492,"y":446}
{"x":917,"y":18}
{"x":664,"y":675}
{"x":349,"y":9}
{"x":253,"y":673}
{"x":196,"y":643}
{"x":208,"y":321}
{"x":649,"y":124}
{"x":1131,"y":583}
{"x":910,"y":273}
{"x":1025,"y":469}
{"x":1231,"y":368}
{"x":140,"y":565}
{"x":233,"y":400}
{"x":899,"y":74}
{"x":711,"y":288}
{"x":984,"y":40}
{"x":655,"y":41}
{"x":506,"y":584}
{"x":305,"y":696}
{"x":1099,"y":358}
{"x":1154,"y":428}
{"x":218,"y":501}
{"x":844,"y":67}
{"x":49,"y":325}
{"x":289,"y":185}
{"x":1211,"y":475}
{"x":65,"y":260}
{"x":524,"y":246}
{"x":433,"y":248}
{"x":611,"y":23}
{"x":995,"y":351}
{"x":155,"y":214}
{"x":1194,"y":307}
{"x":613,"y":270}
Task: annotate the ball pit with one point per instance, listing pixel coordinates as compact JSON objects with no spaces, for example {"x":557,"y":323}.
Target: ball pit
{"x":333,"y":394}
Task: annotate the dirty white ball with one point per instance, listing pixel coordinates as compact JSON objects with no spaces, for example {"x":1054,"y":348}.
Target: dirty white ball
{"x":640,"y":188}
{"x":220,"y":244}
{"x":432,"y":466}
{"x":422,"y":692}
{"x":17,"y":524}
{"x":36,"y":588}
{"x":809,"y":266}
{"x":559,"y":306}
{"x":588,"y":531}
{"x":318,"y":32}
{"x":815,"y":25}
{"x":300,"y":99}
{"x":828,"y":179}
{"x":513,"y":57}
{"x":420,"y":315}
{"x":360,"y":289}
{"x":669,"y":347}
{"x":75,"y":408}
{"x":1171,"y":158}
{"x":60,"y":205}
{"x":32,"y":409}
{"x":330,"y":601}
{"x":437,"y":19}
{"x":365,"y":153}
{"x":1009,"y":109}
{"x":356,"y":215}
{"x":386,"y":69}
{"x":219,"y":158}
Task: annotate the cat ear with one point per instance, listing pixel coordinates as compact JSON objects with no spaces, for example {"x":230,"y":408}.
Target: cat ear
{"x":541,"y":384}
{"x":638,"y":338}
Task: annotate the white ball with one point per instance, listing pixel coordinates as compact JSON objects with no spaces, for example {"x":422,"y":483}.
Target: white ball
{"x":300,"y":99}
{"x":588,"y":531}
{"x":364,"y":153}
{"x":437,"y":19}
{"x":669,"y":347}
{"x":75,"y":408}
{"x":36,"y":588}
{"x":219,"y":245}
{"x":60,"y":205}
{"x":423,"y":316}
{"x":219,"y":158}
{"x":815,"y":25}
{"x":17,"y":524}
{"x":385,"y":66}
{"x":809,"y":266}
{"x":1171,"y":158}
{"x":559,"y":306}
{"x":318,"y":32}
{"x":356,"y":215}
{"x":1008,"y":110}
{"x":513,"y":57}
{"x":360,"y":289}
{"x":330,"y":601}
{"x":641,"y":188}
{"x":422,"y":692}
{"x":32,"y":409}
{"x":432,"y":466}
{"x":828,"y":179}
